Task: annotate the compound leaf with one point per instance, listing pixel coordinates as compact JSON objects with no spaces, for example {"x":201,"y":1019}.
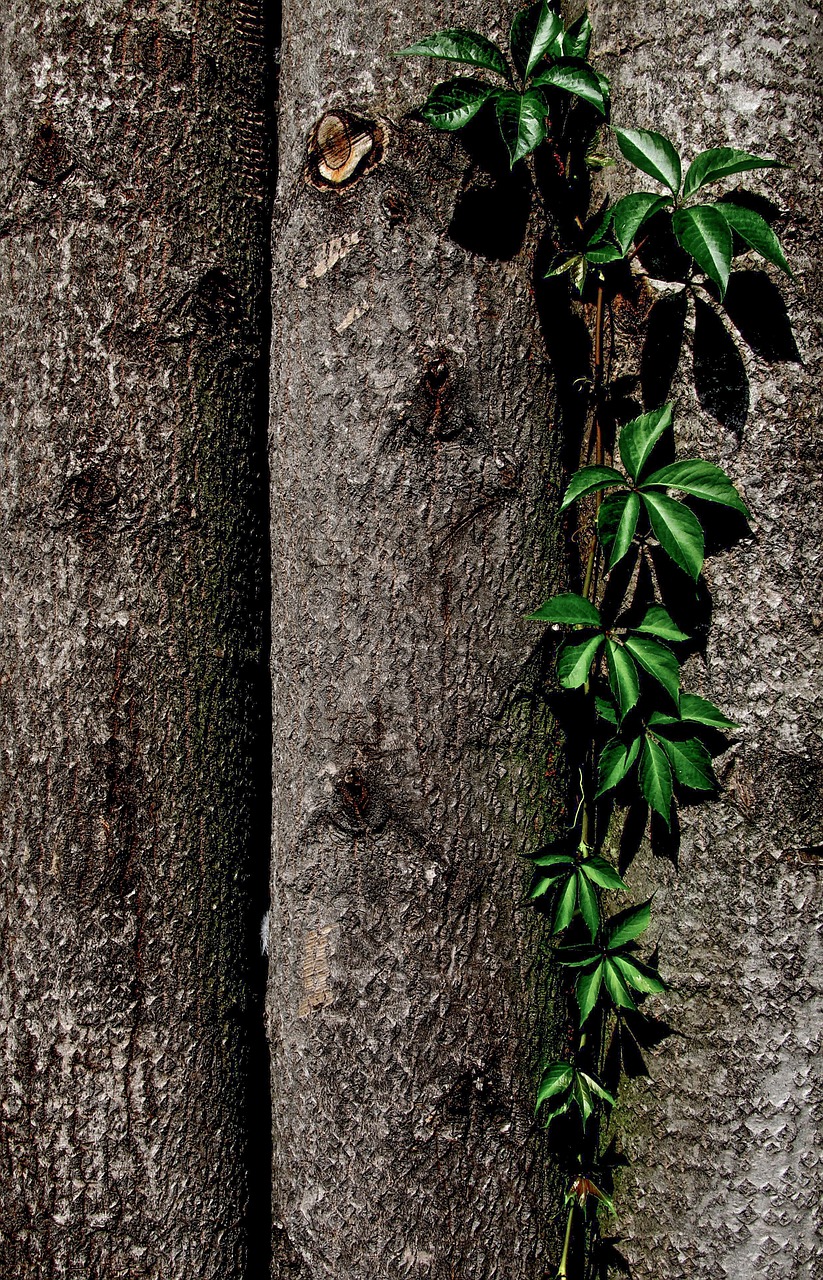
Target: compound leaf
{"x":556,"y":1078}
{"x":638,"y":438}
{"x":701,"y":480}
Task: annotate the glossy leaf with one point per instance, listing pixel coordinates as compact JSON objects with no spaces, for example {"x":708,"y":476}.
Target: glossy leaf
{"x":452,"y":104}
{"x":658,"y":661}
{"x":587,"y":990}
{"x":533,"y":31}
{"x":583,"y":1096}
{"x":459,"y":45}
{"x":690,"y":762}
{"x":578,"y":37}
{"x":700,"y":480}
{"x":639,"y":976}
{"x":677,"y":530}
{"x":568,"y":609}
{"x":575,"y":659}
{"x":632,"y":211}
{"x":601,"y":254}
{"x":590,"y":480}
{"x":616,"y":985}
{"x":574,"y":76}
{"x":756,"y":232}
{"x":555,"y":1079}
{"x":705,"y":235}
{"x":719,"y":162}
{"x":522,"y":121}
{"x":623,"y":678}
{"x":565,"y":906}
{"x":657,"y":622}
{"x":653,"y":154}
{"x":615,"y":761}
{"x":597,"y":1088}
{"x":656,"y":779}
{"x":606,"y":710}
{"x":549,"y":857}
{"x":601,"y":872}
{"x":545,"y":881}
{"x":699,"y":711}
{"x":628,"y":925}
{"x":587,"y":900}
{"x":638,"y":438}
{"x":618,"y":544}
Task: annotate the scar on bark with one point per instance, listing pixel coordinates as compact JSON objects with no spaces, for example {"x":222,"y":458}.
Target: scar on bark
{"x":343,"y":148}
{"x":315,"y":971}
{"x":49,"y":160}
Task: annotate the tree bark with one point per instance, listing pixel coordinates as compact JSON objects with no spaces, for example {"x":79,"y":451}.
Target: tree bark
{"x":133,"y":252}
{"x":722,"y":1177}
{"x":414,"y":462}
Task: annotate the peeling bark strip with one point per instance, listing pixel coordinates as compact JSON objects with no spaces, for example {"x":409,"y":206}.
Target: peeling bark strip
{"x":133,"y":246}
{"x":724,"y":1168}
{"x":413,"y":457}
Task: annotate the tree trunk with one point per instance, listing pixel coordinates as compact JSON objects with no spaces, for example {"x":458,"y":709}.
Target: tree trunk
{"x":413,"y":463}
{"x":721,"y":1174}
{"x":133,"y":249}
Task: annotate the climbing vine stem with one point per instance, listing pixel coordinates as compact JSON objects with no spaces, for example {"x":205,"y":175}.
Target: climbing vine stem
{"x":625,"y":636}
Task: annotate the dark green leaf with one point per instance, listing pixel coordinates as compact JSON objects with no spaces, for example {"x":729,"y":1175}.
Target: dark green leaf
{"x":756,"y":232}
{"x":632,"y":211}
{"x":459,"y":45}
{"x":601,"y":872}
{"x":704,"y":233}
{"x":597,"y":227}
{"x":574,"y":77}
{"x":690,"y":762}
{"x":615,"y":761}
{"x":568,"y":609}
{"x":658,"y":660}
{"x":452,"y":104}
{"x":606,"y":710}
{"x":589,"y":909}
{"x":623,"y":680}
{"x":616,"y":986}
{"x":582,"y":1096}
{"x":656,"y":622}
{"x":578,"y":37}
{"x":574,"y":661}
{"x":700,"y":480}
{"x":628,"y":925}
{"x":677,"y":530}
{"x":719,"y":162}
{"x":698,"y":711}
{"x":565,"y":906}
{"x":617,"y":538}
{"x":580,"y":956}
{"x":544,"y":881}
{"x":550,"y":857}
{"x":534,"y":30}
{"x":596,"y":1087}
{"x":522,"y":120}
{"x":602,"y":254}
{"x":638,"y":438}
{"x":589,"y":480}
{"x":656,"y":779}
{"x":588,"y":990}
{"x":653,"y":154}
{"x":555,"y":1079}
{"x":640,"y":976}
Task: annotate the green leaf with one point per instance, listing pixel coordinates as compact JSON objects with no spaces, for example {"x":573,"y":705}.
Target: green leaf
{"x":719,"y":162}
{"x":656,"y":779}
{"x":606,"y":710}
{"x":756,"y":232}
{"x":704,"y":233}
{"x":677,"y":530}
{"x":555,"y":1079}
{"x":574,"y":76}
{"x":582,"y":1096}
{"x":589,"y":480}
{"x":550,"y":856}
{"x":628,"y":925}
{"x":632,"y":211}
{"x":616,"y":986}
{"x":657,"y":622}
{"x":578,"y":37}
{"x":544,"y":882}
{"x":459,"y":45}
{"x":658,"y":660}
{"x":618,"y":538}
{"x":522,"y":120}
{"x":565,"y":906}
{"x":698,"y":711}
{"x":653,"y":154}
{"x":589,"y":909}
{"x":588,"y":990}
{"x":568,"y":609}
{"x":534,"y":30}
{"x":701,"y":480}
{"x":638,"y":438}
{"x":602,"y":254}
{"x":690,"y":762}
{"x":640,"y":976}
{"x":622,"y":677}
{"x":575,"y":659}
{"x":597,"y":1088}
{"x":615,"y":761}
{"x":601,"y":872}
{"x":452,"y":104}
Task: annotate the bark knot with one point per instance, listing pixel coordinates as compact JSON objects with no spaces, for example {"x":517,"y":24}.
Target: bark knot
{"x":49,"y":160}
{"x":343,"y":148}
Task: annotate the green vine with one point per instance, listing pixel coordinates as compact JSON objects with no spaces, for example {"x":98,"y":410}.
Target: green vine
{"x":645,"y":741}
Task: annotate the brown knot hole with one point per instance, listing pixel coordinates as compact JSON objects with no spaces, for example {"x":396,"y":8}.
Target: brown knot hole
{"x":343,"y":148}
{"x":49,"y":160}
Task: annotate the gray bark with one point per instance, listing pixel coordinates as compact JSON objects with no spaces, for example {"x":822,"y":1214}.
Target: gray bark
{"x":723,"y":1178}
{"x":133,"y":244}
{"x":413,"y":459}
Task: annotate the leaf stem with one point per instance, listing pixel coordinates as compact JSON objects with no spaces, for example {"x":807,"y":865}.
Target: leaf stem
{"x":563,"y":1269}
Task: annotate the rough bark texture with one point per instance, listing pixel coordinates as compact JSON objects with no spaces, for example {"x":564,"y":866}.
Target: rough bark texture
{"x":412,"y":458}
{"x":133,"y":246}
{"x":724,"y":1173}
